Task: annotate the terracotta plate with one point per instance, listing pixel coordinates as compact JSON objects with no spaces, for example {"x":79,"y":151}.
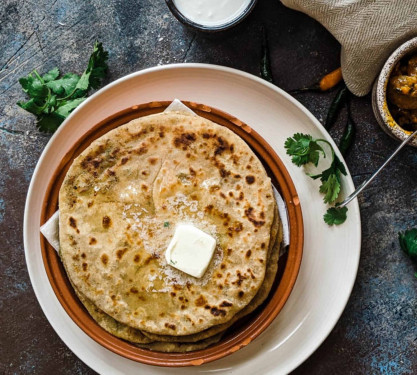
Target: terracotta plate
{"x":244,"y":331}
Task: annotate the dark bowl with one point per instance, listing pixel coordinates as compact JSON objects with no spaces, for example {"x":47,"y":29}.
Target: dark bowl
{"x":209,"y":29}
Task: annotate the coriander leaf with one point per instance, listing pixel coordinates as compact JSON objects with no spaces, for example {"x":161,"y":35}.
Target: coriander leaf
{"x":31,"y":107}
{"x":314,"y":155}
{"x":335,"y":216}
{"x":51,"y":75}
{"x":303,"y":149}
{"x":331,"y":181}
{"x":96,"y":70}
{"x":50,"y":104}
{"x":68,"y":106}
{"x":65,"y":85}
{"x":330,"y":188}
{"x":35,"y":88}
{"x":97,"y":65}
{"x":408,"y":243}
{"x":24,"y":82}
{"x":52,"y":98}
{"x":50,"y":122}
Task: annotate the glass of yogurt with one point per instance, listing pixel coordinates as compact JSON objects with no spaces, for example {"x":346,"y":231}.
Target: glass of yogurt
{"x":211,"y":15}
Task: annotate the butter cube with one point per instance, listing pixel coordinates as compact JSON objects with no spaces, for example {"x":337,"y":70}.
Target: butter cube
{"x":190,"y":250}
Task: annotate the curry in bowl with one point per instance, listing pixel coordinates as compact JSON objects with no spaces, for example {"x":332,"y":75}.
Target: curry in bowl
{"x":402,"y":92}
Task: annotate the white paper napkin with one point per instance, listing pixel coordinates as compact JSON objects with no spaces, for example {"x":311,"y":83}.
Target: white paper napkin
{"x":50,"y":230}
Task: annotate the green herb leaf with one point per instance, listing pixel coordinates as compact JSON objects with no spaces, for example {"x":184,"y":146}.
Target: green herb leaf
{"x":166,"y":224}
{"x":24,"y":82}
{"x":68,"y":106}
{"x":51,"y":75}
{"x":97,"y":66}
{"x":50,"y":122}
{"x":335,"y":216}
{"x":330,"y":188}
{"x":303,"y":149}
{"x":408,"y":243}
{"x":50,"y":105}
{"x":96,"y":70}
{"x":52,"y":98}
{"x":65,"y":85}
{"x":31,"y":107}
{"x":331,"y":180}
{"x":35,"y":87}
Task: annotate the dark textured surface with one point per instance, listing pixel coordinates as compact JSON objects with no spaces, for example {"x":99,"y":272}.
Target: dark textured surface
{"x":378,"y":331}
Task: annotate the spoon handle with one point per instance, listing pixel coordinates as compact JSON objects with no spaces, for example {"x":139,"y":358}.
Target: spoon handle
{"x":364,"y":184}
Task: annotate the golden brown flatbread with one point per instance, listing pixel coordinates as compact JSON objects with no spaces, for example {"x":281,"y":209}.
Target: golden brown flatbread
{"x":120,"y":202}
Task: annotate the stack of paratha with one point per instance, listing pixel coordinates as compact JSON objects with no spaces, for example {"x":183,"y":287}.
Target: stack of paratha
{"x":119,"y":205}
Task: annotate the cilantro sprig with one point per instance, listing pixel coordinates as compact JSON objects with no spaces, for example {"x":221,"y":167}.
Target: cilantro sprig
{"x":53,"y":98}
{"x":331,"y":179}
{"x":408,"y":243}
{"x":303,"y":149}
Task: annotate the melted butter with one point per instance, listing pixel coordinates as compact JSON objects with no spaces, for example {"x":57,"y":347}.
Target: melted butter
{"x":211,"y":12}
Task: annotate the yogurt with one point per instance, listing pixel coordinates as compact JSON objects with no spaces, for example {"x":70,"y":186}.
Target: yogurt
{"x":211,"y":12}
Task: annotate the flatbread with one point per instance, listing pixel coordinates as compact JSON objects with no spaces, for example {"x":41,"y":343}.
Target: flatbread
{"x":111,"y":325}
{"x":202,"y":339}
{"x":120,"y":202}
{"x":189,"y":343}
{"x":181,"y":347}
{"x":259,"y":298}
{"x":136,"y":336}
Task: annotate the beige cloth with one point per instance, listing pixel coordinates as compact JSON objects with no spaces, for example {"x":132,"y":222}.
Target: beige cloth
{"x":368,"y":30}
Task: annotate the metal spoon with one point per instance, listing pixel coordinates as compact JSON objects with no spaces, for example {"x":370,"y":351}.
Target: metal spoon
{"x":364,"y":184}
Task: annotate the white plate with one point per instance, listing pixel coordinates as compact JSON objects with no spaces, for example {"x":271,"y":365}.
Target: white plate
{"x":331,"y":254}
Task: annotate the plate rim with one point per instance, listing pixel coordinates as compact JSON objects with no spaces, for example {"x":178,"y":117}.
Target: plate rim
{"x":301,"y":356}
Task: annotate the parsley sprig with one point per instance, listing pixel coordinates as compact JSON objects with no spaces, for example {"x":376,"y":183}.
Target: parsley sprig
{"x":53,"y":98}
{"x":303,"y":149}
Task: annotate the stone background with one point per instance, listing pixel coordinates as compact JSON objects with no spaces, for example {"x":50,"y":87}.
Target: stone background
{"x":376,"y":334}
